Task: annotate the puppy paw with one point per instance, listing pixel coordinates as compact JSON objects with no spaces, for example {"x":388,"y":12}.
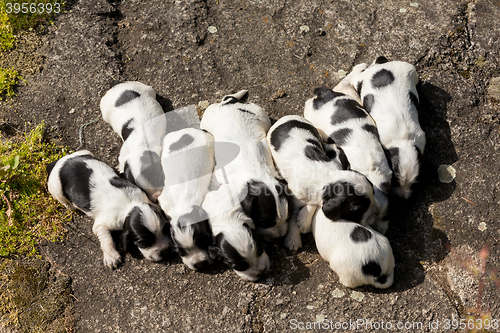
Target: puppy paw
{"x":304,"y":218}
{"x":112,"y":259}
{"x":293,"y":242}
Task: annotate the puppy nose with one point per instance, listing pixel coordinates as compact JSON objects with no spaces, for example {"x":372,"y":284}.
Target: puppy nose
{"x":201,"y":264}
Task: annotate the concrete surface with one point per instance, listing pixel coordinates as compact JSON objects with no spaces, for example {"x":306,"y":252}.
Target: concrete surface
{"x":259,"y":46}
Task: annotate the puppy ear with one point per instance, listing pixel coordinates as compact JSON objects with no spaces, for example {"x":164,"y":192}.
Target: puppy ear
{"x":381,"y":60}
{"x":260,"y":204}
{"x":248,"y":202}
{"x":124,"y":237}
{"x":332,"y":208}
{"x":214,"y":251}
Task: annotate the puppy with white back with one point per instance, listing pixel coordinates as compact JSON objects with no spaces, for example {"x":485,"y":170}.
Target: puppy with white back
{"x":251,"y":173}
{"x":136,"y":116}
{"x":237,"y":242}
{"x":343,"y":122}
{"x":188,"y":162}
{"x":82,"y":182}
{"x":389,"y":94}
{"x":315,"y":179}
{"x":358,"y":254}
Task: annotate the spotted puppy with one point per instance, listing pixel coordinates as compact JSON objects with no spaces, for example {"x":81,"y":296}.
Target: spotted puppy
{"x":135,"y":115}
{"x":237,"y":242}
{"x":359,"y":255}
{"x":316,"y":180}
{"x":188,"y":162}
{"x":343,"y":122}
{"x":251,"y":172}
{"x":389,"y":94}
{"x":82,"y":182}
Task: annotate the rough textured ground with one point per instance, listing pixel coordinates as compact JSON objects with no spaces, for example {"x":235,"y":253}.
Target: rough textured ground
{"x":259,"y":46}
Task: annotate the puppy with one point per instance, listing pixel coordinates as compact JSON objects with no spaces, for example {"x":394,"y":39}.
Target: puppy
{"x":237,"y":242}
{"x":315,"y":179}
{"x":359,"y":255}
{"x":251,"y":172}
{"x":82,"y":182}
{"x":389,"y":94}
{"x":188,"y":162}
{"x":343,"y":122}
{"x":134,"y":114}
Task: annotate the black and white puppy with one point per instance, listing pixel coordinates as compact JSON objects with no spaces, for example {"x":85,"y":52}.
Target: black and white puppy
{"x":136,"y":116}
{"x":188,"y":162}
{"x":358,"y":254}
{"x":252,"y":171}
{"x":82,"y":182}
{"x":343,"y":121}
{"x":389,"y":94}
{"x":316,"y":180}
{"x":237,"y":242}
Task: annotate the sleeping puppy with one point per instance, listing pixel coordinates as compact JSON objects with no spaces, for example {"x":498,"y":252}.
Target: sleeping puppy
{"x":188,"y":162}
{"x":237,"y":242}
{"x":316,"y":180}
{"x":389,"y":94}
{"x":359,"y":255}
{"x":252,"y":172}
{"x":82,"y":182}
{"x":134,"y":114}
{"x":343,"y":122}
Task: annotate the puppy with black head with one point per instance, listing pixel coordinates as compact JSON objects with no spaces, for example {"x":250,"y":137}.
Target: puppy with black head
{"x":251,"y":172}
{"x":316,"y":179}
{"x":188,"y":162}
{"x":237,"y":242}
{"x":82,"y":182}
{"x":358,"y":254}
{"x":136,"y":116}
{"x":389,"y":94}
{"x":343,"y":122}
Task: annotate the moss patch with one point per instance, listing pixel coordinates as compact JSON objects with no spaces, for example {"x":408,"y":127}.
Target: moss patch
{"x":27,"y":212}
{"x":8,"y":79}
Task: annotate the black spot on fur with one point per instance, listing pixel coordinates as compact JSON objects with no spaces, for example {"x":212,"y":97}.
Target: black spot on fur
{"x":340,"y":136}
{"x":183,"y":142}
{"x":135,"y":232}
{"x":316,"y":154}
{"x":50,"y":167}
{"x":385,"y":187}
{"x":120,"y":183}
{"x":197,"y":220}
{"x":359,"y":87}
{"x":368,"y":101}
{"x":282,"y":132}
{"x":151,"y":169}
{"x":341,"y":201}
{"x":382,"y":78}
{"x":414,"y":99}
{"x":127,"y":173}
{"x":126,"y":130}
{"x":360,"y":234}
{"x":347,"y":109}
{"x":323,"y":96}
{"x":382,"y":279}
{"x":260,"y":204}
{"x":126,"y":97}
{"x":331,"y":153}
{"x":371,"y":268}
{"x":233,"y":258}
{"x":233,"y":100}
{"x":343,"y":159}
{"x":381,"y":60}
{"x":75,"y":181}
{"x":371,"y":129}
{"x":243,"y":110}
{"x":392,"y":155}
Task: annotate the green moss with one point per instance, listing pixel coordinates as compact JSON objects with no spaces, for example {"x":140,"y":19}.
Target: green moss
{"x":27,"y":212}
{"x":8,"y":79}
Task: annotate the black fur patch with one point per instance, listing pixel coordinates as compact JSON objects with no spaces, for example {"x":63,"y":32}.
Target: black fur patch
{"x":184,"y":141}
{"x":282,"y":132}
{"x":127,"y":173}
{"x":50,"y":167}
{"x":126,"y":97}
{"x":381,"y":60}
{"x":243,"y":110}
{"x":382,"y":279}
{"x":371,"y":268}
{"x":343,"y":159}
{"x":260,"y":204}
{"x":233,"y":258}
{"x":382,"y":78}
{"x":340,"y":136}
{"x":414,"y":100}
{"x":385,"y":187}
{"x":392,"y":155}
{"x":197,"y":220}
{"x":135,"y":232}
{"x":359,"y":87}
{"x":126,"y":130}
{"x":151,"y":169}
{"x":331,"y":153}
{"x":233,"y":100}
{"x":341,"y":201}
{"x":371,"y":129}
{"x":323,"y":96}
{"x":316,"y":154}
{"x":347,"y":109}
{"x":368,"y":101}
{"x":360,"y":234}
{"x":75,"y":181}
{"x":120,"y":182}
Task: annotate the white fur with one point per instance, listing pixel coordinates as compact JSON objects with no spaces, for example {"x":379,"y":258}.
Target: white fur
{"x":254,"y":162}
{"x":188,"y":172}
{"x":395,"y":115}
{"x":149,"y":128}
{"x":109,"y":208}
{"x":347,"y":257}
